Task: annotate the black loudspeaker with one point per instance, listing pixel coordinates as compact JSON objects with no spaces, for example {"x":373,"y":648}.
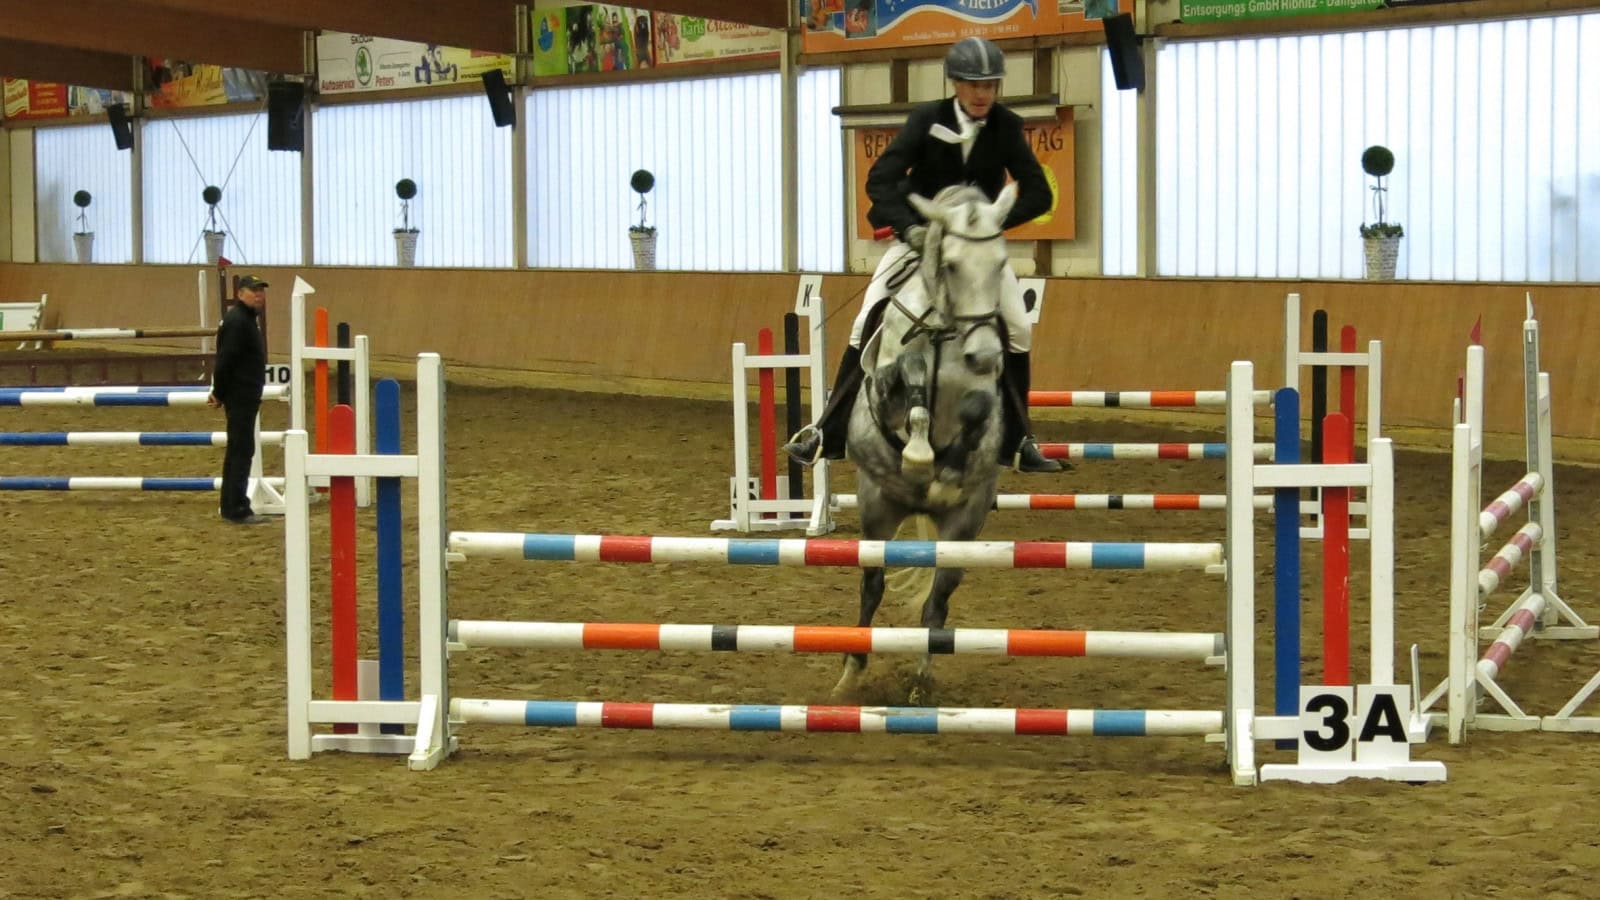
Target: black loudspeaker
{"x":286,"y":116}
{"x":121,"y":128}
{"x":1126,"y":63}
{"x":500,"y":106}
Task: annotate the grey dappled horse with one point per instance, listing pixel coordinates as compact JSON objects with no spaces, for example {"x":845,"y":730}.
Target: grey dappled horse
{"x":925,"y":431}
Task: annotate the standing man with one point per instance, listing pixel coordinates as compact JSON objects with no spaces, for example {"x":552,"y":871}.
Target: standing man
{"x":970,"y":138}
{"x":237,"y":379}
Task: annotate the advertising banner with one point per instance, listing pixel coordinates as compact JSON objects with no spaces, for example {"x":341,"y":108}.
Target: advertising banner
{"x":686,"y":39}
{"x":175,"y":83}
{"x":597,"y":37}
{"x":1052,"y":143}
{"x":1230,"y":10}
{"x":831,"y":26}
{"x":26,"y":99}
{"x":593,"y":37}
{"x":352,"y":63}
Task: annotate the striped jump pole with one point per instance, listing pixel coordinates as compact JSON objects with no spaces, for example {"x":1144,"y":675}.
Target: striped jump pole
{"x":1216,"y":450}
{"x":1496,"y":513}
{"x":1095,"y":501}
{"x":840,"y":719}
{"x":833,"y":639}
{"x":854,"y":554}
{"x":113,"y":389}
{"x":1138,"y":399}
{"x":126,"y":438}
{"x":167,"y":397}
{"x":114,"y":483}
{"x":107,"y":334}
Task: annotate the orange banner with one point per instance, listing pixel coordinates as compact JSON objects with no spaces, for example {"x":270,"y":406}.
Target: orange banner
{"x":1052,"y":143}
{"x":831,"y":26}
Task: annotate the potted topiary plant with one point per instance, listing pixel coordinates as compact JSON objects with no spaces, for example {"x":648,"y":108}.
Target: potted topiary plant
{"x":1381,"y":238}
{"x":405,"y":237}
{"x":643,"y":236}
{"x":214,"y":236}
{"x":83,"y":238}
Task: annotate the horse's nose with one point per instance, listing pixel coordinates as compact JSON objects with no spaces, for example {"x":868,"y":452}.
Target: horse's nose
{"x":982,"y":362}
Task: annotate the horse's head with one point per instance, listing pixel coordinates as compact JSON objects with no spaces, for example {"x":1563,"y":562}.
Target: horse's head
{"x":964,"y":264}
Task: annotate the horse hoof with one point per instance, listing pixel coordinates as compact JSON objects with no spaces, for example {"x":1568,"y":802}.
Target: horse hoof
{"x":921,"y":694}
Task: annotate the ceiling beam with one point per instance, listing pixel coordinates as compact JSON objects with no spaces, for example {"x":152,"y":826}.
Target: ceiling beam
{"x":766,"y":13}
{"x":489,"y":25}
{"x":41,"y":62}
{"x":108,"y":26}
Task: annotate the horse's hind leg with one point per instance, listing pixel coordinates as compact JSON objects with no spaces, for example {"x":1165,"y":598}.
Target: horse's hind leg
{"x":877,"y":524}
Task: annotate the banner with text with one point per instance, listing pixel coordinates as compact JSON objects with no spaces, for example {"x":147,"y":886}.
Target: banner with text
{"x":1052,"y":143}
{"x":597,"y":37}
{"x":25,"y":99}
{"x":175,"y":83}
{"x":1230,"y":10}
{"x":829,"y":26}
{"x":352,"y":63}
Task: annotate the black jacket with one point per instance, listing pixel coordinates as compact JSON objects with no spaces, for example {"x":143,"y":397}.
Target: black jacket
{"x":917,"y":163}
{"x":240,"y":371}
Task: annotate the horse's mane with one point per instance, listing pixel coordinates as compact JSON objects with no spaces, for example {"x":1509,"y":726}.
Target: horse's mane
{"x":960,"y":194}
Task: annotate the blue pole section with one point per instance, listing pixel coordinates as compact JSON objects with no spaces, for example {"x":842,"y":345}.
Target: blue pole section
{"x":1286,"y":563}
{"x":391,"y":617}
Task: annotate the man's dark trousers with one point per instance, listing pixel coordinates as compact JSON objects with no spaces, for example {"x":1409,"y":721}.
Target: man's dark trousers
{"x":236,"y":462}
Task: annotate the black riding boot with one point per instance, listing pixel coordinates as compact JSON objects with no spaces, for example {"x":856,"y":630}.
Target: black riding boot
{"x":1017,"y":446}
{"x":826,"y":438}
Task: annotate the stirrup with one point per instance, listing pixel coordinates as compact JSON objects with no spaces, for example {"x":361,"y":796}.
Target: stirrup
{"x":805,"y":447}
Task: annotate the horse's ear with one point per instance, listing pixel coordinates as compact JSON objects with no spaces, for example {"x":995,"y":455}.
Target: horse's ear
{"x":1001,"y":207}
{"x":926,"y":207}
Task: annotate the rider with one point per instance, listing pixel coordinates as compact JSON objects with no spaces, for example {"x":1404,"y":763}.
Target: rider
{"x":969,"y":139}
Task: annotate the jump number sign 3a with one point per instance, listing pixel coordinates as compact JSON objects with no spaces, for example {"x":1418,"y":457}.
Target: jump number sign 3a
{"x":1364,"y":724}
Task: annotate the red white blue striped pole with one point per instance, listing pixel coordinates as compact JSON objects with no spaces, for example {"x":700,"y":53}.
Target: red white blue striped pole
{"x":833,"y":639}
{"x":803,"y":552}
{"x":1216,"y":450}
{"x":845,"y":719}
{"x":1139,"y":399}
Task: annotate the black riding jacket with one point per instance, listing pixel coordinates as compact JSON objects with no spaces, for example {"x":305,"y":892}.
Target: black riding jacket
{"x":915,"y":162}
{"x":240,"y":371}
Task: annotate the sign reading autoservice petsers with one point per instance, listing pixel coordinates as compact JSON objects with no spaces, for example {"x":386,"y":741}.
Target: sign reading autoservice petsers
{"x":830,"y":26}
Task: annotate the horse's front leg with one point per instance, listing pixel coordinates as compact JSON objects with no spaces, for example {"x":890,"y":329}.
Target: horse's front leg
{"x":916,"y":461}
{"x":856,"y":663}
{"x":935,"y":610}
{"x":878,"y":523}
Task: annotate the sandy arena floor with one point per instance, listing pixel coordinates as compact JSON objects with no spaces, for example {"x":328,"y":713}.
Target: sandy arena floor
{"x":142,"y":716}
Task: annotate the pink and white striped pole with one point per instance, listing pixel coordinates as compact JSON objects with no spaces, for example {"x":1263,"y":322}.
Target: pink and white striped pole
{"x":1509,"y":502}
{"x":1507,"y":558}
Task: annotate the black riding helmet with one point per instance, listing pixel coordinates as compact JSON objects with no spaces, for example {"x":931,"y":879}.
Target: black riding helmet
{"x":974,"y":59}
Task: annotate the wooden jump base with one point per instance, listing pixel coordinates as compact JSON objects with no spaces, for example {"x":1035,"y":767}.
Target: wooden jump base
{"x":377,"y":724}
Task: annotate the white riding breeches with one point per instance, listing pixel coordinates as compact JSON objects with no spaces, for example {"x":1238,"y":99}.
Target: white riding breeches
{"x":1019,"y":331}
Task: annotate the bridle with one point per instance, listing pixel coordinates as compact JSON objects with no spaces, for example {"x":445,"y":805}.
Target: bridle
{"x":939,"y":291}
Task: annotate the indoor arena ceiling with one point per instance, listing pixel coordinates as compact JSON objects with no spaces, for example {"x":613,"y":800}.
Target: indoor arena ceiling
{"x":89,"y":42}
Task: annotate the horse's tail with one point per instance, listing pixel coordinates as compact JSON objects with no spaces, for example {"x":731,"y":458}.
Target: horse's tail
{"x":909,"y":587}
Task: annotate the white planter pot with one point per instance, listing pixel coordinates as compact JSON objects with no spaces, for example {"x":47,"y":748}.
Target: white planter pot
{"x":83,"y":246}
{"x":1382,"y":255}
{"x":405,"y":247}
{"x":214,"y":244}
{"x":644,"y":249}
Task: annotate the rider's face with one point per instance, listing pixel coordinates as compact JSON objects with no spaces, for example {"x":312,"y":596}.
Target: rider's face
{"x":977,"y":97}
